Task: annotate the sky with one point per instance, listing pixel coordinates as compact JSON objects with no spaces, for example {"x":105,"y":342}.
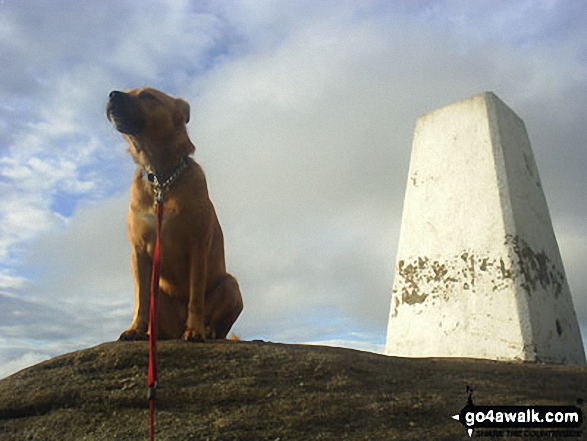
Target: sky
{"x":302,"y":113}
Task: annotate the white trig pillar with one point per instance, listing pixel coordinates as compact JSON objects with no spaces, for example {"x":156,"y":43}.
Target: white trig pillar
{"x":478,"y":272}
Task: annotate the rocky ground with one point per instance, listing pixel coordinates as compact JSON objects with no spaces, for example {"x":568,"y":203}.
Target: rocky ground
{"x":265,"y":391}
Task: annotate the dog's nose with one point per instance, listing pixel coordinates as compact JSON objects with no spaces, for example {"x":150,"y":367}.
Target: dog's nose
{"x":115,"y":96}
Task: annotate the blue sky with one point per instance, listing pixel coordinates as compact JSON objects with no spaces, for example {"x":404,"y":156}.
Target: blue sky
{"x":302,"y":116}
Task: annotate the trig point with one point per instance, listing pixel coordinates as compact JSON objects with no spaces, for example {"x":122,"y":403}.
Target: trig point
{"x":478,"y":271}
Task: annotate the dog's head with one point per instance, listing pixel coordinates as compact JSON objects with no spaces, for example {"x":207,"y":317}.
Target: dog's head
{"x":149,"y":119}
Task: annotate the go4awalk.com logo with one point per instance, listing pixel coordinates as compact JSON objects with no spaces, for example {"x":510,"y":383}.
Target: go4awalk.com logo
{"x":524,"y":421}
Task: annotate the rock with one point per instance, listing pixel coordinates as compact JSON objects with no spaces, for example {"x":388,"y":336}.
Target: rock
{"x":265,"y":391}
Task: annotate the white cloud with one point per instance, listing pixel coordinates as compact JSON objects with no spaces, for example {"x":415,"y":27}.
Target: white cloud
{"x":572,"y":239}
{"x":22,"y":218}
{"x":9,"y":282}
{"x":22,"y":362}
{"x":83,"y":291}
{"x":86,"y":264}
{"x":366,"y":346}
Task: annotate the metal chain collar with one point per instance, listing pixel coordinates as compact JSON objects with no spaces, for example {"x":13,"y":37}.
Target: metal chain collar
{"x":161,"y":185}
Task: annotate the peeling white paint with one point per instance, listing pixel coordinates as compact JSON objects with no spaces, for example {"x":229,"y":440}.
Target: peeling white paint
{"x":478,"y":272}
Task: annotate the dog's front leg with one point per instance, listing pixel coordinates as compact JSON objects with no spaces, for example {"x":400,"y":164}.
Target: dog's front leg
{"x":195,"y":329}
{"x":141,"y":269}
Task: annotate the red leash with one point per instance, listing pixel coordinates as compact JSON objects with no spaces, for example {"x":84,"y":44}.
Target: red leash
{"x":156,"y":272}
{"x":160,"y":186}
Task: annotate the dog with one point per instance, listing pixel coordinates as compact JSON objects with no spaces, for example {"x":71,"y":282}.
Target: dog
{"x":198,"y":299}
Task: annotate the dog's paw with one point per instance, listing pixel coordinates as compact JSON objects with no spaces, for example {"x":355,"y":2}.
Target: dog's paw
{"x":192,"y":335}
{"x":133,"y":335}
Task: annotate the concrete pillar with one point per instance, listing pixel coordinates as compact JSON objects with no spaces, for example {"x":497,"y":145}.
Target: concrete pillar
{"x":478,"y":271}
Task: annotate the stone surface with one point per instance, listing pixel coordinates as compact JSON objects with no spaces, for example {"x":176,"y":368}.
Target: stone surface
{"x":478,"y":271}
{"x":264,"y":391}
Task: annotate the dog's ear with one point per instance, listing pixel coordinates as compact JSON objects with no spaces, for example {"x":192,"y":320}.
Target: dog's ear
{"x":184,"y":108}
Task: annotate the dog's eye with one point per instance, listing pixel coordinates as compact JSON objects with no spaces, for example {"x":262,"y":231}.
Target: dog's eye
{"x":144,"y":95}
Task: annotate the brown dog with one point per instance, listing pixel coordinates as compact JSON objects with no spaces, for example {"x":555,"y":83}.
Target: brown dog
{"x":198,"y":299}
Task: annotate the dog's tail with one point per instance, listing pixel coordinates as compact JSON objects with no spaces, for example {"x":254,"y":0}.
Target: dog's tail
{"x":234,"y":337}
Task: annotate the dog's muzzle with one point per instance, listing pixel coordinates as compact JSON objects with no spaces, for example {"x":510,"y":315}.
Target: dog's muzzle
{"x":124,"y":113}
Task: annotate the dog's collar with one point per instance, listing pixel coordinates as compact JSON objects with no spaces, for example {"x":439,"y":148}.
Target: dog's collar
{"x":161,"y":184}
